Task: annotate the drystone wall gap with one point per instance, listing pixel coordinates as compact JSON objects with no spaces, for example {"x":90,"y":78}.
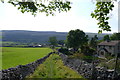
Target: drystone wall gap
{"x":86,"y":69}
{"x":21,"y":71}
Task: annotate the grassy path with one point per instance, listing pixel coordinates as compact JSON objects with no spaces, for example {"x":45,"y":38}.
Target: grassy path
{"x":53,"y":67}
{"x":11,"y":56}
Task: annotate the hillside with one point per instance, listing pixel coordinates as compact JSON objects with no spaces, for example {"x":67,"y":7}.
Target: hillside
{"x":36,"y":36}
{"x":30,"y":36}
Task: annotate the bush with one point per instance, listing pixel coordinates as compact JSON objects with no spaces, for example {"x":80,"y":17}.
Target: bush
{"x":87,"y":50}
{"x":64,"y":51}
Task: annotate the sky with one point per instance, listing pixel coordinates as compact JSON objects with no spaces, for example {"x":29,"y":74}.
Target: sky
{"x":77,"y":18}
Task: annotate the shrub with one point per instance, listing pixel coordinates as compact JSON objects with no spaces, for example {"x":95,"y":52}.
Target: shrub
{"x":87,"y":50}
{"x":64,"y":51}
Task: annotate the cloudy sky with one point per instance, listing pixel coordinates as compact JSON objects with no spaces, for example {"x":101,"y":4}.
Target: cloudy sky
{"x":77,"y":18}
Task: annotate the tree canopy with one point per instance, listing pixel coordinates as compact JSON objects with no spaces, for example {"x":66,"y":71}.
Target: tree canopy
{"x":47,"y":6}
{"x":76,"y":39}
{"x":106,"y":38}
{"x":101,"y":13}
{"x":93,"y":42}
{"x":61,"y":42}
{"x":53,"y":41}
{"x":115,"y":36}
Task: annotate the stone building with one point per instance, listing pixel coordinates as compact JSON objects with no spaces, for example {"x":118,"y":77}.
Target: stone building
{"x":108,"y":48}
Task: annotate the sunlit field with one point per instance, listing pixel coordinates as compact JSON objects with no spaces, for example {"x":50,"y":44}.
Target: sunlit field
{"x":11,"y":56}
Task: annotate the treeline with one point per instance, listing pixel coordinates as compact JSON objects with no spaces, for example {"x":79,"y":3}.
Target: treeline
{"x":18,"y":44}
{"x":77,"y":41}
{"x":115,"y":36}
{"x":41,"y":37}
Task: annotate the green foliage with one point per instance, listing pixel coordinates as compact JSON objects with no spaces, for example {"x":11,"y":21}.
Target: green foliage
{"x":53,"y":41}
{"x":64,"y":51}
{"x":106,"y":37}
{"x":11,"y":56}
{"x":49,"y":7}
{"x":53,"y":67}
{"x":101,"y":13}
{"x":76,"y":39}
{"x":88,"y":51}
{"x":61,"y":42}
{"x":40,"y":37}
{"x":110,"y":64}
{"x":115,"y":36}
{"x":93,"y":42}
{"x":13,"y":44}
{"x":84,"y":57}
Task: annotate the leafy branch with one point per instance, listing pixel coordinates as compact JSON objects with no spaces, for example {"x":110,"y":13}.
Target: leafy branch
{"x":35,"y":7}
{"x":101,"y":13}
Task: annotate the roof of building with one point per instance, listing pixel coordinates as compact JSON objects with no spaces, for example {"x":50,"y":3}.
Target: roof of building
{"x":110,"y":43}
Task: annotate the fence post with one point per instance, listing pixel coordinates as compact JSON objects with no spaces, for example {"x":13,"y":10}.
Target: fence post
{"x":115,"y":68}
{"x":93,"y":69}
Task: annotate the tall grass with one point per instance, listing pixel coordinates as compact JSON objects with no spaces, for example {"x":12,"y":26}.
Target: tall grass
{"x":53,"y":67}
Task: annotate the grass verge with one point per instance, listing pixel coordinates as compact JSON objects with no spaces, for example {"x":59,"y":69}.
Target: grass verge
{"x":53,"y":67}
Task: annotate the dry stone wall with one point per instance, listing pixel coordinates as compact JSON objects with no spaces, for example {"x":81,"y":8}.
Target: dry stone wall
{"x":82,"y":67}
{"x":21,"y":71}
{"x":86,"y":69}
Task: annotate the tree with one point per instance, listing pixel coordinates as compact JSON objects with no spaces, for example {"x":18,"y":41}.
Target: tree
{"x":53,"y":41}
{"x":76,"y":39}
{"x":115,"y":36}
{"x":87,"y":50}
{"x":101,"y":13}
{"x":106,"y":38}
{"x":61,"y":42}
{"x":47,"y":6}
{"x":93,"y":42}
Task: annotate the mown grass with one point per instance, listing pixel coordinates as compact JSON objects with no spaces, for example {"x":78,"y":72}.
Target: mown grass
{"x":53,"y":67}
{"x":11,"y":56}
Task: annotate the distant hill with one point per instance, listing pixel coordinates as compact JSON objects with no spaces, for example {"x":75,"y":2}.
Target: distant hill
{"x":31,"y":36}
{"x":24,"y":36}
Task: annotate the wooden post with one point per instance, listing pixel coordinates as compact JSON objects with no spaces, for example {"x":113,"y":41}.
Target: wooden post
{"x":115,"y":68}
{"x":93,"y":69}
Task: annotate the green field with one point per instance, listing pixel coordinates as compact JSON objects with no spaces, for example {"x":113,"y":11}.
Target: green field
{"x":11,"y":56}
{"x":53,"y":67}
